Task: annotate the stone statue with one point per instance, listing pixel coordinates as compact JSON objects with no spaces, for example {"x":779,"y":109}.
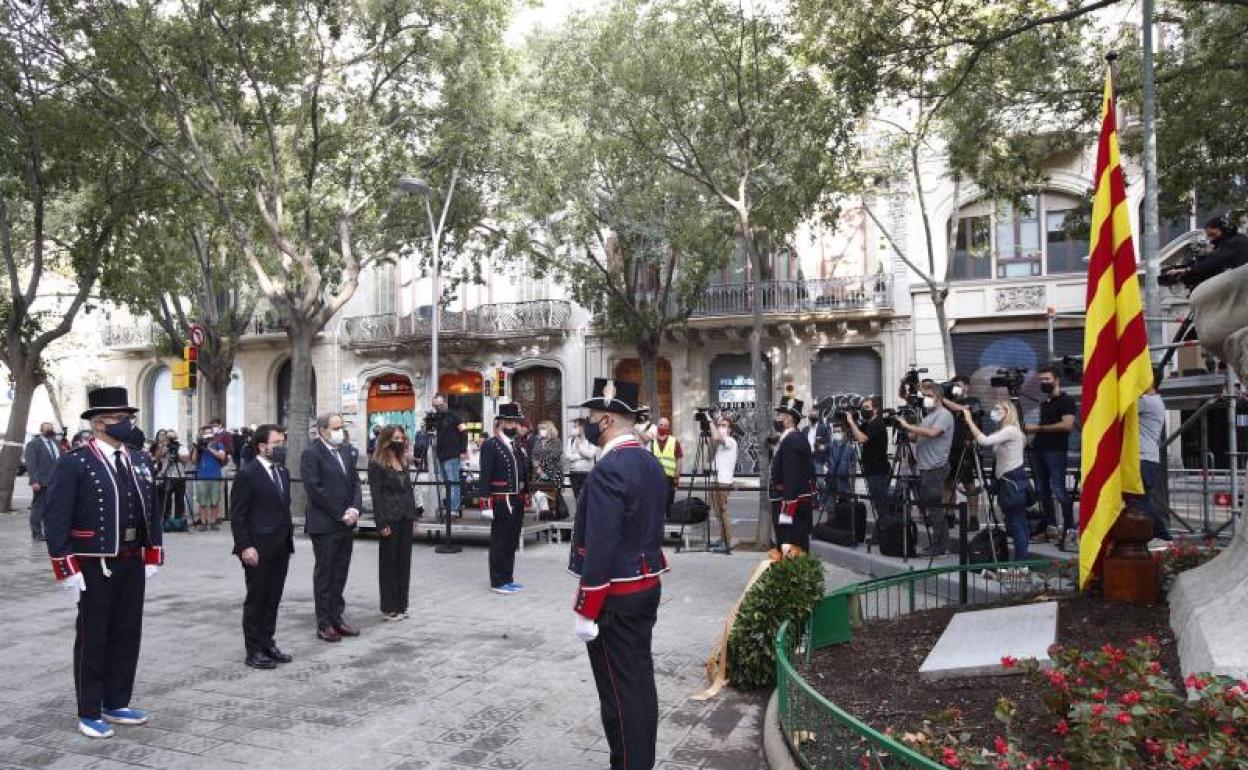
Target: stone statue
{"x":1209,"y":604}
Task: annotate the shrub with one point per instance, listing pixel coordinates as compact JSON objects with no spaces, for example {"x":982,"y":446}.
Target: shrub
{"x":786,"y":591}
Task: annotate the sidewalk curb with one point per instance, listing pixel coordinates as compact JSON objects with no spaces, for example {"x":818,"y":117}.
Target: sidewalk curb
{"x":775,"y":750}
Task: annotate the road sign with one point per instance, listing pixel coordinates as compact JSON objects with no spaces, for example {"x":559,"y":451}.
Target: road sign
{"x":197,"y":335}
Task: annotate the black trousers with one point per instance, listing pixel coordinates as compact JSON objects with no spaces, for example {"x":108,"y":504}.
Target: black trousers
{"x":797,"y":533}
{"x":265,"y":583}
{"x":110,"y":627}
{"x":394,"y":565}
{"x":578,"y":480}
{"x":505,"y":538}
{"x":624,"y":674}
{"x":38,"y":504}
{"x":329,"y":576}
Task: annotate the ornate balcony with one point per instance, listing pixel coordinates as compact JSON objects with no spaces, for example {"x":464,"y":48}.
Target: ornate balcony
{"x":136,"y":335}
{"x":831,"y":296}
{"x":485,"y":323}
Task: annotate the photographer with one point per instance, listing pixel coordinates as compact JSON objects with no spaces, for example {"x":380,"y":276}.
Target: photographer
{"x":1013,"y":488}
{"x":933,"y":437}
{"x":840,"y":465}
{"x":1049,"y":454}
{"x":873,"y":440}
{"x":1230,"y":250}
{"x":211,"y":455}
{"x":961,"y":462}
{"x":818,"y":436}
{"x":452,"y":440}
{"x":725,"y":474}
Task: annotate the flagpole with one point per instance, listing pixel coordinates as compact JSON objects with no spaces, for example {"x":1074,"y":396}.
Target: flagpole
{"x":1150,"y":225}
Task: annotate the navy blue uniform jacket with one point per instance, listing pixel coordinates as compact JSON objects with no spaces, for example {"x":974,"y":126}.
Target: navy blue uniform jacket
{"x":617,"y":540}
{"x":84,"y":511}
{"x":792,"y":471}
{"x":257,"y":507}
{"x":330,"y":491}
{"x":503,"y":471}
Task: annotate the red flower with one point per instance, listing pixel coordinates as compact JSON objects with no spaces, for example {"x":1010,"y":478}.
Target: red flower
{"x":1194,"y":682}
{"x":949,"y":757}
{"x":1099,"y":695}
{"x":1098,"y":709}
{"x":1154,"y":667}
{"x":1123,"y":718}
{"x":1000,"y":746}
{"x":1008,"y":662}
{"x":1130,"y":699}
{"x":1154,"y":747}
{"x":1057,"y":679}
{"x":1062,"y":728}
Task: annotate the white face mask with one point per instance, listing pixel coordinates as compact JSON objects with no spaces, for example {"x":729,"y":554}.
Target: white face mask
{"x":838,"y":436}
{"x":929,"y":402}
{"x":336,"y":437}
{"x":998,"y":415}
{"x":542,"y":433}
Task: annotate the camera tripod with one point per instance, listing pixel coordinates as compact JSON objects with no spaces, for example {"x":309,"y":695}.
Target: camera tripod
{"x":903,"y":493}
{"x":969,"y":453}
{"x":448,"y":546}
{"x":703,"y":468}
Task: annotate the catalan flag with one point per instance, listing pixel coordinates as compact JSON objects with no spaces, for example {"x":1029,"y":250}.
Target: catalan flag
{"x":1117,"y":368}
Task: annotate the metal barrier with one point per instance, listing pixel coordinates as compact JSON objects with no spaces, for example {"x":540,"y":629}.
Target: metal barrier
{"x":821,"y":735}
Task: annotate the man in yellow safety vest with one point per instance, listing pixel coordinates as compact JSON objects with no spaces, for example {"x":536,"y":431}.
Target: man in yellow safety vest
{"x":669,"y":454}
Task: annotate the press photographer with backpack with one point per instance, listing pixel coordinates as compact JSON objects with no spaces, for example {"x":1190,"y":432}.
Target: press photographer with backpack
{"x":1013,"y":488}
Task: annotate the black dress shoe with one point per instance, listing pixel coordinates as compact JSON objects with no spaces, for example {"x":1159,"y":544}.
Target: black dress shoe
{"x":277,"y":655}
{"x":260,"y":660}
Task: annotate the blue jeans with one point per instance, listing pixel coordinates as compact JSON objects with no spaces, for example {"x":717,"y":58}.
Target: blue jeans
{"x":1012,"y":499}
{"x":1150,"y":473}
{"x":877,"y":489}
{"x":450,"y":472}
{"x":1050,"y":473}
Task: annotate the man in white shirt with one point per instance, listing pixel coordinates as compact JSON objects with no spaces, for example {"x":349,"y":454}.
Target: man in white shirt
{"x":725,"y":472}
{"x":1152,"y":412}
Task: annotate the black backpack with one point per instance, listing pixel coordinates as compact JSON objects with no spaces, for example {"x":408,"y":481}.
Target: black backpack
{"x":690,"y":510}
{"x":980,"y":549}
{"x":888,"y":533}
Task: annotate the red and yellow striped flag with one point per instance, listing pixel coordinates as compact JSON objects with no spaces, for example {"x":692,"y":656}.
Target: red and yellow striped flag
{"x":1117,"y":369}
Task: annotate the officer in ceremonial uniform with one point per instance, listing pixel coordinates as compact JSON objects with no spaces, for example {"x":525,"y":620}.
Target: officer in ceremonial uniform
{"x":792,"y":483}
{"x":104,"y":537}
{"x":504,"y":484}
{"x":617,"y":553}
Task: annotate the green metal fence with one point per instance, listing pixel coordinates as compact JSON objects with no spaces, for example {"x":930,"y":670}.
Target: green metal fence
{"x":821,"y":735}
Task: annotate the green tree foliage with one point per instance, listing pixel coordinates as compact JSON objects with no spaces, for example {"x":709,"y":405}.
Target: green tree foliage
{"x":66,"y":192}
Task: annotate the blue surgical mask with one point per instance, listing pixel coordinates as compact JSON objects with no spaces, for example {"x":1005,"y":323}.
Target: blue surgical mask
{"x":593,"y":432}
{"x":121,"y":430}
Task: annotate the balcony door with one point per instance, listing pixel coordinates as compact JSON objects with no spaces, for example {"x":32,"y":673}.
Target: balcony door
{"x":539,"y":392}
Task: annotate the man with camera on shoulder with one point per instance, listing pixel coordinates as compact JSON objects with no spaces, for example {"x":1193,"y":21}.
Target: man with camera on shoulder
{"x":933,"y":438}
{"x":1230,"y":250}
{"x":872,"y":437}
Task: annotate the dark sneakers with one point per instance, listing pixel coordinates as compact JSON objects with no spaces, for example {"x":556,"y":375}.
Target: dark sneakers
{"x":261,"y":661}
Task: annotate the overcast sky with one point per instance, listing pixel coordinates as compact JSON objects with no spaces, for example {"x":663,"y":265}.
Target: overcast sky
{"x":531,"y":15}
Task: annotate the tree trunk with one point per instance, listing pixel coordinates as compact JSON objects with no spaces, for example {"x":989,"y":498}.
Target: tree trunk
{"x":24,"y":384}
{"x":763,"y":534}
{"x":648,"y":355}
{"x":216,"y":381}
{"x":300,"y":418}
{"x":946,"y":338}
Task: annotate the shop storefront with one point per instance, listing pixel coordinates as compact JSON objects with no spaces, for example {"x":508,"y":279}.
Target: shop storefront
{"x":391,"y":401}
{"x":464,"y":391}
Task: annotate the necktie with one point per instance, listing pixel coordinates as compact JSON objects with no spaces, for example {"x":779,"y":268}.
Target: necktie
{"x":338,"y":456}
{"x":51,"y":448}
{"x":276,"y":478}
{"x":120,"y":463}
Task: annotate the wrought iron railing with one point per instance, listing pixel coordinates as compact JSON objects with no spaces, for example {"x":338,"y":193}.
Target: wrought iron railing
{"x":506,"y":319}
{"x":820,"y":734}
{"x":804,"y":296}
{"x":136,"y":334}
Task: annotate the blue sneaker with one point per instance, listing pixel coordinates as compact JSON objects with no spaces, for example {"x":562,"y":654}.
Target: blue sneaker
{"x":125,"y":716}
{"x":515,"y":587}
{"x":507,"y":589}
{"x":94,"y":728}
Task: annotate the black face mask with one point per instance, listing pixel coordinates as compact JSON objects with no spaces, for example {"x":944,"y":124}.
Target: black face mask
{"x":120,"y":431}
{"x":278,"y":455}
{"x":778,"y":426}
{"x":593,"y":432}
{"x":49,"y":433}
{"x":1047,"y":388}
{"x":397,"y":447}
{"x":511,"y":432}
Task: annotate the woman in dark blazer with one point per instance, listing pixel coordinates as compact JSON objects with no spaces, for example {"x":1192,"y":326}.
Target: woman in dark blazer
{"x":394,"y":510}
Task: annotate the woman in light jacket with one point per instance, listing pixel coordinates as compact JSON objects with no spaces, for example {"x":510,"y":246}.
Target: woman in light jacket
{"x":1013,"y":487}
{"x":580,"y":456}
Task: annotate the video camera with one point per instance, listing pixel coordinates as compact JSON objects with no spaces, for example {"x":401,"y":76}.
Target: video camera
{"x":1010,"y":378}
{"x":845,"y":407}
{"x":703,"y":415}
{"x":1071,"y":368}
{"x":431,"y":421}
{"x":1176,"y":275}
{"x":892,"y":417}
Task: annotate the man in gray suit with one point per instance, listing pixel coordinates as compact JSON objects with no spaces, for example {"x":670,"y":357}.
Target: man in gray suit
{"x":40,"y":457}
{"x":327,"y":469}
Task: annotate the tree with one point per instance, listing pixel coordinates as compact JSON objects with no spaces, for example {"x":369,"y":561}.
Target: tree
{"x":183,"y":271}
{"x":65,"y":192}
{"x":995,"y":88}
{"x":291,"y":120}
{"x":634,"y":241}
{"x":709,"y":89}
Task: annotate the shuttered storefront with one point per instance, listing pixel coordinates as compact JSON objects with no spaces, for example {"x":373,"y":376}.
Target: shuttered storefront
{"x":840,"y":371}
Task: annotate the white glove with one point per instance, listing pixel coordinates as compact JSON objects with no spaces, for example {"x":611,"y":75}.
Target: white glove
{"x":487,"y":513}
{"x":75,"y":582}
{"x":785,"y":519}
{"x":586,"y":630}
{"x":150,"y":570}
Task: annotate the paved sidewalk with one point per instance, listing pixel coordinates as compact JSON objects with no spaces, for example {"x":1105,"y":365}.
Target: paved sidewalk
{"x":473,"y":680}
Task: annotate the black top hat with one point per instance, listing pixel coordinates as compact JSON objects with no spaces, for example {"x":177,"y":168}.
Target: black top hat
{"x":613,"y":396}
{"x":509,"y":411}
{"x":105,"y":400}
{"x":793,"y":406}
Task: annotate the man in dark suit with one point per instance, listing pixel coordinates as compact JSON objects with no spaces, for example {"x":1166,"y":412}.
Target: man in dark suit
{"x":334,"y":500}
{"x":792,"y":483}
{"x":40,"y":456}
{"x":617,"y":551}
{"x":104,"y":537}
{"x":504,"y":483}
{"x":263,"y":542}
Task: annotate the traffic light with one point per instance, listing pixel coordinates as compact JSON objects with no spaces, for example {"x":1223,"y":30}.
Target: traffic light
{"x":186,"y":371}
{"x":500,"y":384}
